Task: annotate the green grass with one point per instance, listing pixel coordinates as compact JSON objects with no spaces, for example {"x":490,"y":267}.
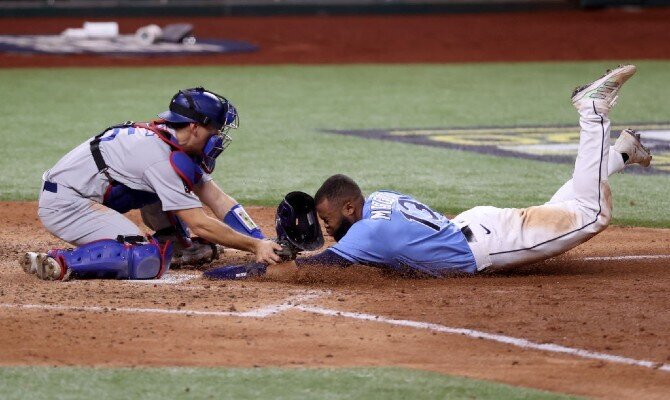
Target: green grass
{"x":260,"y":383}
{"x":281,"y":147}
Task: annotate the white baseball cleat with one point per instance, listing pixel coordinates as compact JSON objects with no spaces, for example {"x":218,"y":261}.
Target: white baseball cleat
{"x":31,"y":260}
{"x":629,"y":143}
{"x":603,"y":92}
{"x":51,"y":270}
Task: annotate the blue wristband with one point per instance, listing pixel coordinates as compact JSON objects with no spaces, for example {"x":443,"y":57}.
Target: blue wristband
{"x":238,"y":219}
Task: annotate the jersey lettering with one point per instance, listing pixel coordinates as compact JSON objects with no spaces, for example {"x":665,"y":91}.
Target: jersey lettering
{"x":399,"y":232}
{"x":128,"y":131}
{"x":381,"y":205}
{"x":380,"y":214}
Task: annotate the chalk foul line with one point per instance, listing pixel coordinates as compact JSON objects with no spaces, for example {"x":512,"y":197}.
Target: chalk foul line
{"x":624,"y":258}
{"x":294,"y":302}
{"x":522,"y":343}
{"x":257,"y":313}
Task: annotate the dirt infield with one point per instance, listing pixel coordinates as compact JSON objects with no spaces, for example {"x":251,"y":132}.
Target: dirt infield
{"x":613,"y":307}
{"x":614,"y":304}
{"x":538,"y":36}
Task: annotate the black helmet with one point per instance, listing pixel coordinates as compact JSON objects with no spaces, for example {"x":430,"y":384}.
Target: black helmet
{"x":296,"y":221}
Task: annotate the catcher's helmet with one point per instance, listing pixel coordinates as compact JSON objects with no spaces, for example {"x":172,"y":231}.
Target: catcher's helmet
{"x":296,"y":221}
{"x":198,"y":105}
{"x":201,"y":106}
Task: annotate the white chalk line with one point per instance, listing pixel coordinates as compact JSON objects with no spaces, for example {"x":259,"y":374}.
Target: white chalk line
{"x":522,"y":343}
{"x":293,"y":302}
{"x":289,"y":303}
{"x":169,"y":279}
{"x":257,"y":313}
{"x":624,"y":258}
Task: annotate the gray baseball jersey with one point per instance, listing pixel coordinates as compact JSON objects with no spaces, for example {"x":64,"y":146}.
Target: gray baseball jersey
{"x":137,"y":158}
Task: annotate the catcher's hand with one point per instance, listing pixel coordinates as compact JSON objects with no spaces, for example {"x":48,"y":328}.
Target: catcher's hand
{"x":236,"y":272}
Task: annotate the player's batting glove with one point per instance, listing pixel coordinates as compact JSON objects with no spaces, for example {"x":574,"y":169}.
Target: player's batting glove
{"x":236,"y":272}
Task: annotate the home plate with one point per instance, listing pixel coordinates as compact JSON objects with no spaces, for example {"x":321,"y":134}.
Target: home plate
{"x":169,"y":279}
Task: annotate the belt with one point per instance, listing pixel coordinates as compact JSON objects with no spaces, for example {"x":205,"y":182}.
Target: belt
{"x":467,"y":232}
{"x":50,"y":187}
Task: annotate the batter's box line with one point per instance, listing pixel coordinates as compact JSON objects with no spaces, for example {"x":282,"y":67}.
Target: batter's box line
{"x":522,"y":343}
{"x":168,"y":279}
{"x":262,"y":312}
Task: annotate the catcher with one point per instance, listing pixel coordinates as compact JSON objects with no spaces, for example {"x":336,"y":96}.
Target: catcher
{"x":394,"y":230}
{"x":162,"y":168}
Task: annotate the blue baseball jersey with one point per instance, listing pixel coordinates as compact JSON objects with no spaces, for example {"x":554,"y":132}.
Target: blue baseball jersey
{"x":399,"y":232}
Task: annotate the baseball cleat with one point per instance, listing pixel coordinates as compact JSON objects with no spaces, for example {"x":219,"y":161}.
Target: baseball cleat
{"x":629,"y":143}
{"x":30,"y":260}
{"x":198,"y":253}
{"x":603,"y":92}
{"x":51,"y":270}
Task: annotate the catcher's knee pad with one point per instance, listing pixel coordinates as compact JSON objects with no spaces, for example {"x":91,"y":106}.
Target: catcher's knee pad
{"x":116,"y":259}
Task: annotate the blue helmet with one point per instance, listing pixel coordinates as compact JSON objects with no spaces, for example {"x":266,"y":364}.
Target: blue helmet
{"x":198,"y":105}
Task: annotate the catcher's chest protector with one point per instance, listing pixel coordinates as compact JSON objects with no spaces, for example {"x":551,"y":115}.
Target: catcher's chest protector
{"x":122,"y":198}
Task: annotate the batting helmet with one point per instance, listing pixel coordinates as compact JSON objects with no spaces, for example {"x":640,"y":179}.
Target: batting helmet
{"x":198,"y":105}
{"x":296,"y":222}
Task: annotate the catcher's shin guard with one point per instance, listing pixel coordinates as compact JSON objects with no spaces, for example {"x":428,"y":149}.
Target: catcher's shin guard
{"x":115,"y":259}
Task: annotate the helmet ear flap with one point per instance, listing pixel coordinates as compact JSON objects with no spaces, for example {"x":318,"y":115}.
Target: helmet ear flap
{"x":296,"y":222}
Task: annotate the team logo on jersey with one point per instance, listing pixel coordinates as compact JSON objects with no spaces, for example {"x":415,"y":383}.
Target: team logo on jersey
{"x":545,"y":143}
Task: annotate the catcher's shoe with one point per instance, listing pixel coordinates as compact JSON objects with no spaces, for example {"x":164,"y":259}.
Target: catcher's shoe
{"x":198,"y":253}
{"x":51,"y":270}
{"x":30,"y":260}
{"x":603,"y":92}
{"x":629,"y":143}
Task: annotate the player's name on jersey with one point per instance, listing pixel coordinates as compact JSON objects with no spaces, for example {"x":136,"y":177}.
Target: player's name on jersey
{"x":381,"y":205}
{"x":545,"y":143}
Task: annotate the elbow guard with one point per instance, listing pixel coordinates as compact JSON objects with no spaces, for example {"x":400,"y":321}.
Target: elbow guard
{"x":238,"y":219}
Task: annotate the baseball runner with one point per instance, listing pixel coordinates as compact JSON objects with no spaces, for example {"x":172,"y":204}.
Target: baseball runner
{"x":162,"y":168}
{"x":394,"y":230}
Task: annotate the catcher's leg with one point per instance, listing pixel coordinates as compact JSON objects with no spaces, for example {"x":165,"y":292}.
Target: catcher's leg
{"x":124,"y":258}
{"x":168,"y":227}
{"x":78,"y":220}
{"x":82,"y":222}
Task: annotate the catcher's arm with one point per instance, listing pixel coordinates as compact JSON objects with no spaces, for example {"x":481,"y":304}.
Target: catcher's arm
{"x":216,"y":231}
{"x":298,"y":230}
{"x":216,"y":199}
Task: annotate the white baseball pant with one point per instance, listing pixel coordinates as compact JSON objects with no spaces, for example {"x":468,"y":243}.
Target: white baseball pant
{"x":579,"y":210}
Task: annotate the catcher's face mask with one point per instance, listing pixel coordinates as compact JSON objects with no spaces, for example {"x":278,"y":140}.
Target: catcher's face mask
{"x":218,"y":142}
{"x":209,"y":110}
